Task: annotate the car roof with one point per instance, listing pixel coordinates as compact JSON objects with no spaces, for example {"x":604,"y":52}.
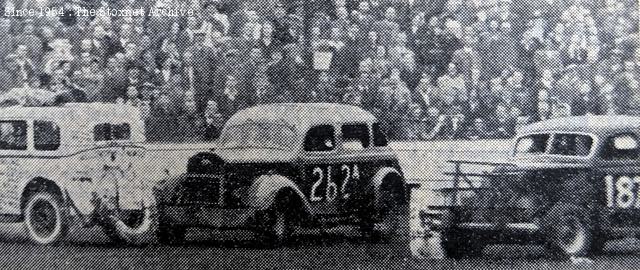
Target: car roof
{"x":77,"y":120}
{"x":303,"y":115}
{"x":594,"y":124}
{"x":71,"y":111}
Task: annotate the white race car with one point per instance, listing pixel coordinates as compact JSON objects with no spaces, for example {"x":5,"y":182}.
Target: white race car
{"x":76,"y":163}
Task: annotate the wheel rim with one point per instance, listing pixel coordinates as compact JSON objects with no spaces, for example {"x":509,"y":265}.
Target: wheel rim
{"x":571,"y":235}
{"x":133,"y":219}
{"x":43,"y":219}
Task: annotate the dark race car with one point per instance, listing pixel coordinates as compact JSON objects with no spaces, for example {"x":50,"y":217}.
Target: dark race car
{"x":279,"y":167}
{"x":570,"y":184}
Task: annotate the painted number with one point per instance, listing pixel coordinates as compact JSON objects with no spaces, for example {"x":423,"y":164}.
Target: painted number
{"x":332,"y":189}
{"x":623,"y":192}
{"x":348,"y":176}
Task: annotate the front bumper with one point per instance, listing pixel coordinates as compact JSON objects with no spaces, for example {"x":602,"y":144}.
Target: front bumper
{"x":208,"y":216}
{"x":441,"y":220}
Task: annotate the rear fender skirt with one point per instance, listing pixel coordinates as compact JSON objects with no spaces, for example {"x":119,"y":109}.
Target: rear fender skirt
{"x":262,"y":193}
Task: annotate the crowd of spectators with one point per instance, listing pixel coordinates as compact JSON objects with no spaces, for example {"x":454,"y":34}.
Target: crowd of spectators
{"x":427,"y":69}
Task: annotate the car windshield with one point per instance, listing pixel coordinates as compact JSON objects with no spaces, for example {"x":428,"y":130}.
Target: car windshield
{"x":560,"y":144}
{"x":257,"y":135}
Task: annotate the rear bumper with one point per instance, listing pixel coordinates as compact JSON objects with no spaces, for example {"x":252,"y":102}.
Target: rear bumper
{"x":207,"y":216}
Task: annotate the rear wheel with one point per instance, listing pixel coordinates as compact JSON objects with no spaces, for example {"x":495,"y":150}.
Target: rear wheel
{"x":385,"y":220}
{"x":45,"y":218}
{"x":132,"y":227}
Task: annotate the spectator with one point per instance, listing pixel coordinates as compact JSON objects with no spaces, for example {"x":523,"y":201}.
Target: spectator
{"x":20,"y":67}
{"x":527,"y":49}
{"x":28,"y":38}
{"x":215,"y":24}
{"x":452,"y":84}
{"x":230,"y":103}
{"x":281,"y":26}
{"x":427,"y":92}
{"x":467,"y":58}
{"x":262,"y":92}
{"x":586,"y":102}
{"x":387,"y":28}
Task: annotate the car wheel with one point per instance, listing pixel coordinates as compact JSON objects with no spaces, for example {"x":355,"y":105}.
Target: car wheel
{"x":275,"y":225}
{"x":387,"y":220}
{"x":383,"y":228}
{"x":45,"y":218}
{"x":459,"y":244}
{"x":568,"y":231}
{"x":132,"y":227}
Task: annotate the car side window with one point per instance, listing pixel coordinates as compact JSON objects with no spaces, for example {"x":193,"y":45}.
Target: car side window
{"x":621,"y":147}
{"x":46,"y":136}
{"x":355,"y":137}
{"x":109,"y":132}
{"x":13,"y":135}
{"x":379,"y":136}
{"x":320,"y":138}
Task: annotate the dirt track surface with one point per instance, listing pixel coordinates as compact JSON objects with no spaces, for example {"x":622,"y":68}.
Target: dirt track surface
{"x":308,"y":252}
{"x":340,"y":249}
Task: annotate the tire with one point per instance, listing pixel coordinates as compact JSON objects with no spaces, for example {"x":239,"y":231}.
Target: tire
{"x":276,"y":225}
{"x":388,"y":219}
{"x":45,"y":218}
{"x":458,"y":245}
{"x":568,"y":231}
{"x":132,"y":227}
{"x":384,"y":228}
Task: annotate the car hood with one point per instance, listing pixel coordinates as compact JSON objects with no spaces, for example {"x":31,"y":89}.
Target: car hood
{"x":255,"y":155}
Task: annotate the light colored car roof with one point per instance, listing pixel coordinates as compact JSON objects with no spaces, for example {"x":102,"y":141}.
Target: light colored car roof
{"x":75,"y":111}
{"x":598,"y":124}
{"x":77,"y":120}
{"x":302,"y":115}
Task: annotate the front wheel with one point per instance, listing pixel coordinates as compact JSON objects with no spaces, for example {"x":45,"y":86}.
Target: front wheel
{"x":568,"y":231}
{"x":276,"y":225}
{"x":45,"y":218}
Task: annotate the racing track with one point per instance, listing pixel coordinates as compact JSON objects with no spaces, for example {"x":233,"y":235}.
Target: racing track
{"x":339,"y":249}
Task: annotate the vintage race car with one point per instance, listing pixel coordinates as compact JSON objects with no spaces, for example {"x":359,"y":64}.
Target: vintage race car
{"x":570,"y":184}
{"x":279,"y":167}
{"x":75,"y":163}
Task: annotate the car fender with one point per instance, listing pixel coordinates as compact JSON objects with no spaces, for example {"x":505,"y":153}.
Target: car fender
{"x":378,"y":178}
{"x":262,"y":193}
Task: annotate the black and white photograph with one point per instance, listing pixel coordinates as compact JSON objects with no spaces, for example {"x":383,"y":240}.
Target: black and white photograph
{"x":319,"y":134}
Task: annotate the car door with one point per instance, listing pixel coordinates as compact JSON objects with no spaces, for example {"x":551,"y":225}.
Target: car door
{"x":13,"y":149}
{"x":332,"y":166}
{"x":319,"y":173}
